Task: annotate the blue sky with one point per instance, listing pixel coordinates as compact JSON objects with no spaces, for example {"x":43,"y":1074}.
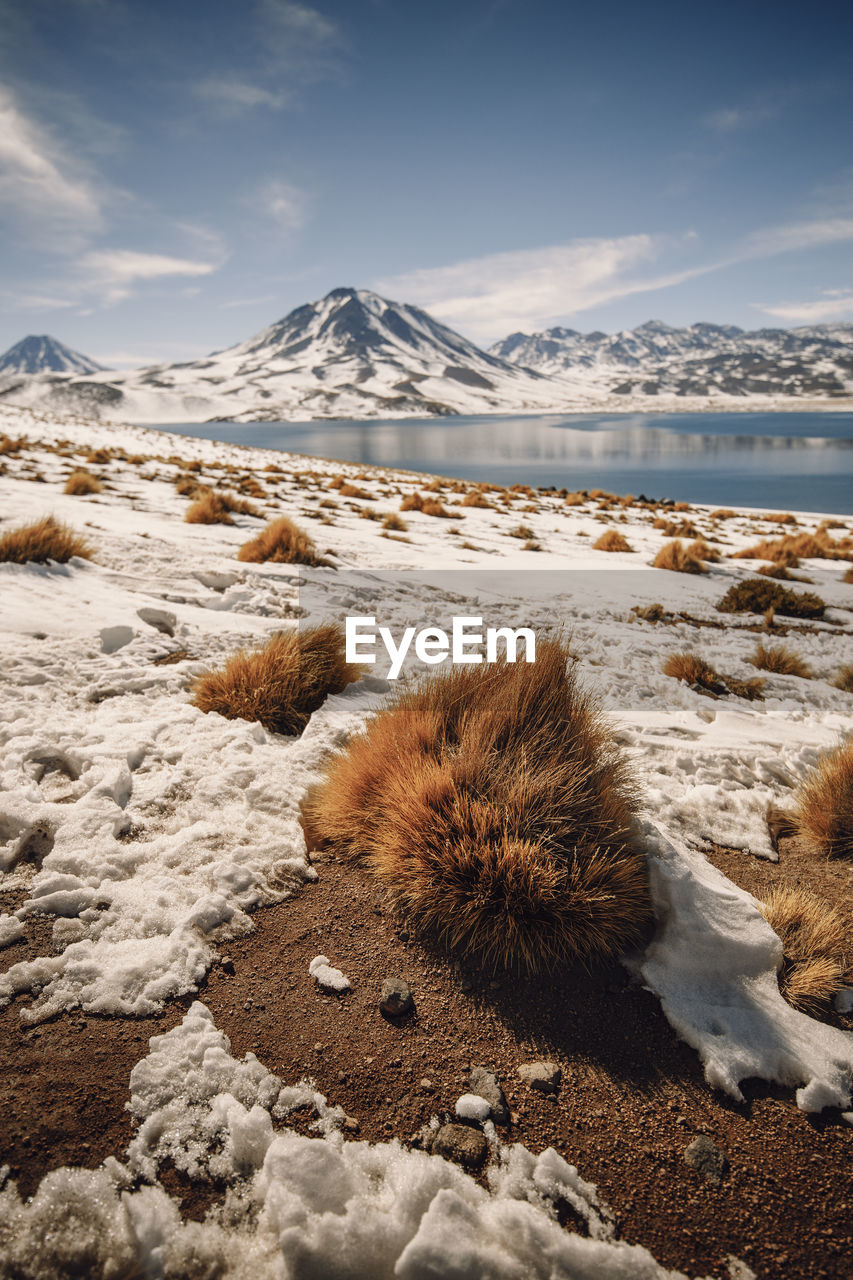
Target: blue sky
{"x":174,"y":176}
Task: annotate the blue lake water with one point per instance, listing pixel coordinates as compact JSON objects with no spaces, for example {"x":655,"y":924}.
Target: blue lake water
{"x":781,"y":460}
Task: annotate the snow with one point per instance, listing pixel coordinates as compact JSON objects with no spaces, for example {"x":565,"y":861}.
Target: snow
{"x":148,"y":833}
{"x":472,"y":1107}
{"x":327,"y":977}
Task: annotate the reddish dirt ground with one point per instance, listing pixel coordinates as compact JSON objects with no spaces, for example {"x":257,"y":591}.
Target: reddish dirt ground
{"x":631,"y":1100}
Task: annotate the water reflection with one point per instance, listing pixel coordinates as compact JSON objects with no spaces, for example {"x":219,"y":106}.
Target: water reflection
{"x":756,"y":459}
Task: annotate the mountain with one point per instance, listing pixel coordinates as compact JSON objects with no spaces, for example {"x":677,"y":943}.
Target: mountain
{"x":352,"y":354}
{"x":708,"y":360}
{"x":39,"y":353}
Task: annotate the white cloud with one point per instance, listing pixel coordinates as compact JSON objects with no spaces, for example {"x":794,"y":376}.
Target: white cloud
{"x":834,"y":304}
{"x":282,"y":203}
{"x":799,"y":235}
{"x":111,"y":274}
{"x":734,"y":119}
{"x":534,"y":288}
{"x":297,"y":36}
{"x":44,"y":193}
{"x":233,"y":96}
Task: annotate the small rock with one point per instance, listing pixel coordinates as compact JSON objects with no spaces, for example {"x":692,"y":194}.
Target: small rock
{"x":226,"y":964}
{"x":351,"y":1125}
{"x":426,"y":1086}
{"x":461,"y":1143}
{"x":707,"y":1159}
{"x":404,"y":935}
{"x":545,"y":1077}
{"x":484,"y":1084}
{"x":396,"y":999}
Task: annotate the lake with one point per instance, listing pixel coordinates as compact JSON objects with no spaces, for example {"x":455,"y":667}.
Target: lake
{"x":781,"y":460}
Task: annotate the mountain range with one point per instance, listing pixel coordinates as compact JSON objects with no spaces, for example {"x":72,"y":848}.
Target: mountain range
{"x":353,"y":354}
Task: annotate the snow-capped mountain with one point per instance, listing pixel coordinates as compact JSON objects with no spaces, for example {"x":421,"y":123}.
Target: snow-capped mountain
{"x":40,"y":353}
{"x":701,"y":360}
{"x":352,"y":354}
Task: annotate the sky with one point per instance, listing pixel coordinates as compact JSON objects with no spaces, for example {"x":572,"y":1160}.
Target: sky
{"x":177,"y":174}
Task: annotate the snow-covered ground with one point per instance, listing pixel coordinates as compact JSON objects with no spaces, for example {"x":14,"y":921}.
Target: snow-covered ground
{"x":152,"y":831}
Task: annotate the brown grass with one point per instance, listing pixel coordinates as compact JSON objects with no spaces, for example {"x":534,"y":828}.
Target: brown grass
{"x":676,"y":528}
{"x":675,"y":556}
{"x":815,"y":948}
{"x":824,"y":803}
{"x":81,"y":482}
{"x":476,"y":498}
{"x":392,"y":521}
{"x":353,"y":491}
{"x":780,"y":660}
{"x":848,"y":575}
{"x":44,"y":540}
{"x":497,"y":808}
{"x":188,"y":486}
{"x":723,"y":513}
{"x":692,"y":669}
{"x":844,"y":678}
{"x":521,"y":531}
{"x":215,"y":507}
{"x":281,"y":683}
{"x":757,"y":595}
{"x":429,"y":506}
{"x":575,"y":499}
{"x":612,"y":540}
{"x":282,"y":542}
{"x":802,"y":546}
{"x":703,"y":550}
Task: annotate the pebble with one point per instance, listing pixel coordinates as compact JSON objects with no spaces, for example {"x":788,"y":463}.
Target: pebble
{"x":545,"y":1077}
{"x":351,"y":1124}
{"x":461,"y":1143}
{"x":707,"y":1159}
{"x":426,"y":1085}
{"x":484,"y":1083}
{"x":396,"y":999}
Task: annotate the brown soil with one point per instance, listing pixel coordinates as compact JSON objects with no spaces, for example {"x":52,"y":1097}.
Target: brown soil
{"x":631,"y":1100}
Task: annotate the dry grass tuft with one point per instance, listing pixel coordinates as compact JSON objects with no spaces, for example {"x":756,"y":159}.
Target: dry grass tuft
{"x":476,"y":498}
{"x":522,"y":531}
{"x":844,"y":678}
{"x":799,"y":546}
{"x":703,"y":550}
{"x":497,"y":808}
{"x":676,"y":528}
{"x":824,"y":803}
{"x":280,"y":684}
{"x":215,"y":507}
{"x":612,"y":540}
{"x":393,"y":522}
{"x":675,"y":556}
{"x":757,"y":595}
{"x":44,"y":540}
{"x":81,"y":482}
{"x":353,"y":491}
{"x":723,"y":513}
{"x":815,"y":949}
{"x":575,"y":499}
{"x":692,"y":669}
{"x":780,"y":660}
{"x":429,"y":506}
{"x":282,"y":542}
{"x":848,"y":575}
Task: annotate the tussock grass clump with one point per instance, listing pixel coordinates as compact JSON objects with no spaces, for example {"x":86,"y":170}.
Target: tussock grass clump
{"x":824,"y":803}
{"x":779,"y":517}
{"x":703,"y":550}
{"x":44,"y":540}
{"x":612,"y":540}
{"x":497,"y":808}
{"x":723,"y":513}
{"x":815,"y":947}
{"x":802,"y":546}
{"x":757,"y":595}
{"x":676,"y":528}
{"x":393,"y":522}
{"x":9,"y":445}
{"x":189,"y":485}
{"x":692,"y":669}
{"x":522,"y":531}
{"x":353,"y":491}
{"x":848,"y":576}
{"x":781,"y":660}
{"x":777,"y":571}
{"x":215,"y":507}
{"x":282,"y":542}
{"x":81,"y":482}
{"x":575,"y":499}
{"x":476,"y":498}
{"x":280,"y":684}
{"x":678,"y":558}
{"x":844,"y":678}
{"x":429,"y":506}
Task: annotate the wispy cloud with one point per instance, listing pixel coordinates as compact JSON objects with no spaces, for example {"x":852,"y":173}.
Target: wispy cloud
{"x":299,"y":37}
{"x":486,"y":297}
{"x":735,"y":119}
{"x":281,"y":203}
{"x":232,"y":96}
{"x":833,"y":304}
{"x":798,"y":235}
{"x":42,"y":191}
{"x":111,"y":274}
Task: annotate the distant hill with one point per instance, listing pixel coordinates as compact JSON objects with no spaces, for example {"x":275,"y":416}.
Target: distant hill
{"x":39,"y":353}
